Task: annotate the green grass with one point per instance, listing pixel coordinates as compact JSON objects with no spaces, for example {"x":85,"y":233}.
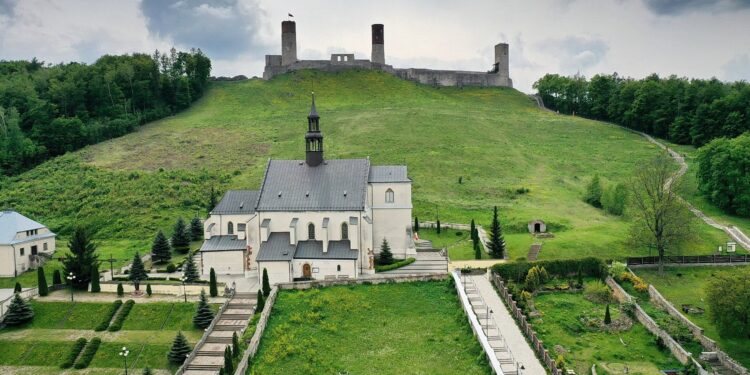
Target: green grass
{"x":561,"y":324}
{"x":690,"y":288}
{"x":495,"y":138}
{"x":416,"y":328}
{"x":458,"y":242}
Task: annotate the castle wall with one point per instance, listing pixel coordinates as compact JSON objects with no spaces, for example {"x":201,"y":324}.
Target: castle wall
{"x":454,"y":78}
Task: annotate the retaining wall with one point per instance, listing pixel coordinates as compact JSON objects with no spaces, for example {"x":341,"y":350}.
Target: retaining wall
{"x":252,"y":347}
{"x":207,"y":332}
{"x":191,"y":290}
{"x":360,"y":281}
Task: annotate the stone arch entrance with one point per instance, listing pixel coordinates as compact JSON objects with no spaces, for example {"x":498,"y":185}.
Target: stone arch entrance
{"x":306,"y":270}
{"x":537,"y":226}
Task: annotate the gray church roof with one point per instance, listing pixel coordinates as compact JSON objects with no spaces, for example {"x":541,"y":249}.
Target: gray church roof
{"x":12,"y":222}
{"x":237,"y":202}
{"x":223,"y":243}
{"x":335,"y":185}
{"x":277,"y":248}
{"x":314,"y":250}
{"x":388,"y":173}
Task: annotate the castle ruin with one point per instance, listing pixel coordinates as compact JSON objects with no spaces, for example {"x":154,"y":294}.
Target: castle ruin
{"x":499,"y":75}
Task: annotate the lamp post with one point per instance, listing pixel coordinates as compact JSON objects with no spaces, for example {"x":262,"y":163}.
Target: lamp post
{"x":124,"y":353}
{"x":487,"y":322}
{"x":70,"y":278}
{"x":184,"y":290}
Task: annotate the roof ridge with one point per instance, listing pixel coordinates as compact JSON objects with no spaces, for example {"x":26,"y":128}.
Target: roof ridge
{"x":262,"y":184}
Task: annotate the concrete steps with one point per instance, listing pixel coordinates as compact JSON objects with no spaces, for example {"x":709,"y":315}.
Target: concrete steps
{"x":534,"y":252}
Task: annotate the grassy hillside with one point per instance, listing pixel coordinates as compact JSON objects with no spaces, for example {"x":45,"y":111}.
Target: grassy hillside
{"x":496,"y":139}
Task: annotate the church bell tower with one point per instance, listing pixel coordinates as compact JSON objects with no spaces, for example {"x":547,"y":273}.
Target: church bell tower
{"x":313,"y":138}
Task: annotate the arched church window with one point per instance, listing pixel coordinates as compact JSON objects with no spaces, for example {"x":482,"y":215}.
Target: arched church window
{"x":389,"y":196}
{"x":311,"y":231}
{"x":230,"y":228}
{"x":338,"y":268}
{"x":344,"y":231}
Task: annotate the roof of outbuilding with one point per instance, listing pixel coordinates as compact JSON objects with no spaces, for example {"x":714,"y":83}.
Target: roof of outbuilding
{"x":223,"y":243}
{"x":314,"y":250}
{"x":277,"y":248}
{"x":237,"y":202}
{"x":335,"y":185}
{"x":12,"y":222}
{"x":388,"y":173}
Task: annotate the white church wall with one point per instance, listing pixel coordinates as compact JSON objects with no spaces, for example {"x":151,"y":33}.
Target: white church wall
{"x":280,"y":222}
{"x":221,"y":225}
{"x":223,"y":262}
{"x":391,"y":220}
{"x":278,"y":272}
{"x":326,"y":267}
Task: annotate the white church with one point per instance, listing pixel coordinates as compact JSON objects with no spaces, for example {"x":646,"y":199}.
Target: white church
{"x":312,"y":218}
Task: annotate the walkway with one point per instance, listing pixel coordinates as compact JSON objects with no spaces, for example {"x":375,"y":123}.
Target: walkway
{"x":427,"y":262}
{"x":511,"y":334}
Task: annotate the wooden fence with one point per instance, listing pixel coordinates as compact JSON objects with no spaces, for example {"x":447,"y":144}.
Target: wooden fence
{"x":689,"y":259}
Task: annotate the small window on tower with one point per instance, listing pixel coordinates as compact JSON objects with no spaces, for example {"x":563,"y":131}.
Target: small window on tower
{"x":389,"y":196}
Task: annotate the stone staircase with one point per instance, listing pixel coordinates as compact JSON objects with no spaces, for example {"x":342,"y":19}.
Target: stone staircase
{"x":427,"y":262}
{"x":534,"y":252}
{"x":209,"y":358}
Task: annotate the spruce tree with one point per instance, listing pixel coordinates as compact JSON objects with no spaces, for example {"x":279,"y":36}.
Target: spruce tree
{"x":95,"y":288}
{"x":17,"y":288}
{"x":213,"y":289}
{"x":594,"y":192}
{"x":190,"y":271}
{"x":386,"y":256}
{"x":261,"y":303}
{"x":120,"y":290}
{"x":181,"y":237}
{"x":416,"y":224}
{"x":161,"y":252}
{"x":81,"y":259}
{"x":497,"y":242}
{"x":235,"y":345}
{"x":228,"y":366}
{"x":203,"y":315}
{"x":196,"y":229}
{"x":19,"y":312}
{"x":56,"y":278}
{"x":180,"y":349}
{"x":266,"y":284}
{"x":148,"y":290}
{"x":137,"y":271}
{"x":607,"y":317}
{"x":41,"y":281}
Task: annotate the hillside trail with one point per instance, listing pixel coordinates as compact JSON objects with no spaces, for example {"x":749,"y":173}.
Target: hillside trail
{"x":735,"y":233}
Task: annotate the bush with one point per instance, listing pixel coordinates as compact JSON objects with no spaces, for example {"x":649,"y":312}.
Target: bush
{"x":171,"y":268}
{"x":214,"y":290}
{"x":393,"y":266}
{"x":120,"y":319}
{"x":56,"y":278}
{"x":74,"y":352}
{"x":148,"y":289}
{"x":104,"y":324}
{"x":88,"y":353}
{"x":617,"y":269}
{"x":563,"y":268}
{"x":41,"y":280}
{"x":120,"y":290}
{"x":597,"y":291}
{"x":615,"y":199}
{"x":536,"y":277}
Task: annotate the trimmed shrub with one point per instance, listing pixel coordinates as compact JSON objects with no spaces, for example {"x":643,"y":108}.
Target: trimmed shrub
{"x":261,"y":303}
{"x":266,"y":283}
{"x":213,"y":290}
{"x":228,"y":365}
{"x":120,"y":319}
{"x":607,"y":316}
{"x":104,"y":324}
{"x":563,"y":268}
{"x":56,"y":278}
{"x":18,"y":288}
{"x":393,"y":266}
{"x":235,"y":345}
{"x":88,"y":353}
{"x":120,"y":290}
{"x":41,"y":281}
{"x":148,"y":290}
{"x":171,"y":268}
{"x":95,"y":288}
{"x":74,"y":352}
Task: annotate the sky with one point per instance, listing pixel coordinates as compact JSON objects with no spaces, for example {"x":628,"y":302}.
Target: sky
{"x":692,"y":38}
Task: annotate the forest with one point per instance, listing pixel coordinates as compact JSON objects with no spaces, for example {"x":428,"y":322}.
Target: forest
{"x":47,"y":110}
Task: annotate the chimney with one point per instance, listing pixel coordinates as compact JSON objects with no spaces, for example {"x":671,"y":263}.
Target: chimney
{"x":288,"y":42}
{"x":378,"y":51}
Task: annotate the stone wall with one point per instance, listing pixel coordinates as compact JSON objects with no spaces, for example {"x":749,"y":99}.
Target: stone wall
{"x":173,"y":289}
{"x":203,"y":338}
{"x":395,"y":278}
{"x":252,"y":347}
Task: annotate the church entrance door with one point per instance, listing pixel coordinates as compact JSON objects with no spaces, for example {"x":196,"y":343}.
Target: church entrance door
{"x":306,"y":271}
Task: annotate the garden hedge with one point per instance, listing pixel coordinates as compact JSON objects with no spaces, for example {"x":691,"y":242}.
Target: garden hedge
{"x":120,"y":319}
{"x":88,"y":353}
{"x":393,"y":266}
{"x":74,"y":352}
{"x":516,"y":271}
{"x":108,"y":318}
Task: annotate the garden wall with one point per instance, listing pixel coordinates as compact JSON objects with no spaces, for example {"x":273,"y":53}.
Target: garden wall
{"x":174,"y":289}
{"x":252,"y":348}
{"x":360,"y":281}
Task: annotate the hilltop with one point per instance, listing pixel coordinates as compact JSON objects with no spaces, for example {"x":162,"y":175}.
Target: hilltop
{"x":495,"y":139}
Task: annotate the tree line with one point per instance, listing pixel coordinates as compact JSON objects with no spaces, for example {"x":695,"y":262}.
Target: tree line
{"x":681,"y":110}
{"x":48,"y":110}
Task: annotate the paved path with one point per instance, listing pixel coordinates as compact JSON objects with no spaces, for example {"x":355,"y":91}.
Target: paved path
{"x":521,"y":350}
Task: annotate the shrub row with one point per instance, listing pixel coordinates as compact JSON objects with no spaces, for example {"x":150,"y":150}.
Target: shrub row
{"x":516,"y":271}
{"x":110,"y":314}
{"x":120,"y":319}
{"x":393,"y":266}
{"x":88,"y":353}
{"x":74,"y":352}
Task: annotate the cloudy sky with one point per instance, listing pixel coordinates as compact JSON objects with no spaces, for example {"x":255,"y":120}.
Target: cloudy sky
{"x":694,"y":38}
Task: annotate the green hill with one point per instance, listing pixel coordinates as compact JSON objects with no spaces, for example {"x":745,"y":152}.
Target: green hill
{"x":496,"y":139}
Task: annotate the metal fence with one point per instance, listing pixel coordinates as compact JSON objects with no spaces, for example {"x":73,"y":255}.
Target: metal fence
{"x":689,"y":259}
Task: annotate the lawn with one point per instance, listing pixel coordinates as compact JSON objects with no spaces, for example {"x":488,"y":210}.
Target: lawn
{"x":458,"y":242}
{"x":562,"y":326}
{"x":689,"y":288}
{"x":416,"y":328}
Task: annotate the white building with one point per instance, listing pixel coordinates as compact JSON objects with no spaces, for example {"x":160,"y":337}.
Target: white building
{"x":312,"y":218}
{"x":23,"y":243}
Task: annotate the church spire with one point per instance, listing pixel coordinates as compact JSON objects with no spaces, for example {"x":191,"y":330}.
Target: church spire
{"x":313,"y":138}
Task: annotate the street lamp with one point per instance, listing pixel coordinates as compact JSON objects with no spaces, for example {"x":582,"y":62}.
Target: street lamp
{"x":184,"y":290}
{"x":487,"y":322}
{"x":70,"y":278}
{"x":124,"y":353}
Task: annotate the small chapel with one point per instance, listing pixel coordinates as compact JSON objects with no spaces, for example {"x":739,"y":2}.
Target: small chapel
{"x":311,"y":219}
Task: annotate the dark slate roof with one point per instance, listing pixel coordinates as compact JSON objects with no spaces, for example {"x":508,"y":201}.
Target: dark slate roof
{"x":277,"y":248}
{"x":223,"y":243}
{"x":335,"y":185}
{"x":314,"y":250}
{"x":237,"y":202}
{"x":388,"y":173}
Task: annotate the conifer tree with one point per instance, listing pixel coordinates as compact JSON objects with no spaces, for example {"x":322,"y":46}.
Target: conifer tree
{"x":221,"y":371}
{"x":386,"y":256}
{"x":580,"y":277}
{"x":266,"y":284}
{"x":180,"y":349}
{"x":235,"y":345}
{"x":477,"y":251}
{"x":473,"y":234}
{"x":19,"y":312}
{"x":261,"y":303}
{"x":438,"y":226}
{"x":181,"y":237}
{"x":607,"y":317}
{"x":416,"y":224}
{"x":95,"y":288}
{"x":497,"y":242}
{"x":213,"y":289}
{"x":56,"y":278}
{"x":17,"y":288}
{"x":196,"y":229}
{"x":120,"y":290}
{"x":41,"y":281}
{"x":161,"y":252}
{"x":211,"y":200}
{"x":81,"y":259}
{"x":137,"y":271}
{"x":148,"y":290}
{"x":228,"y":366}
{"x":203,"y":315}
{"x":190,"y":271}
